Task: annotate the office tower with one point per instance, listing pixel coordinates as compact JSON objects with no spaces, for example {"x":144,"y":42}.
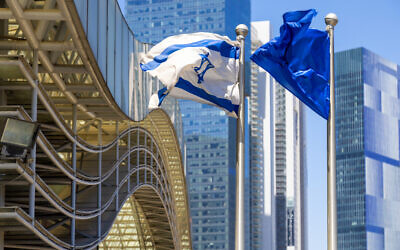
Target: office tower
{"x":278,"y":168}
{"x":290,"y":171}
{"x":367,"y":150}
{"x":210,"y":175}
{"x":209,"y":135}
{"x":257,"y":115}
{"x":153,"y":20}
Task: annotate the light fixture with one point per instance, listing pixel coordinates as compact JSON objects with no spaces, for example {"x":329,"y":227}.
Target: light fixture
{"x":17,"y":137}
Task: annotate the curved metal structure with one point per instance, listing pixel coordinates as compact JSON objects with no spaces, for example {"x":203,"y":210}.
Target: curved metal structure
{"x":96,"y":177}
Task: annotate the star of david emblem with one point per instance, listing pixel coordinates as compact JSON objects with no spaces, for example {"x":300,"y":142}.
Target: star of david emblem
{"x":205,"y":65}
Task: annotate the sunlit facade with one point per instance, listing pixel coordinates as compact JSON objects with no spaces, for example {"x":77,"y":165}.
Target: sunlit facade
{"x":257,"y":114}
{"x":104,"y":172}
{"x":367,"y":150}
{"x":278,"y":166}
{"x":290,"y":173}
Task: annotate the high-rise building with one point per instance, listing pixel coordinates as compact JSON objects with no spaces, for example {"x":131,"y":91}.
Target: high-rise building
{"x":290,"y":171}
{"x":367,"y":150}
{"x":209,"y":135}
{"x":210,"y":174}
{"x":257,"y":115}
{"x":153,"y":20}
{"x":262,"y":146}
{"x":278,"y":169}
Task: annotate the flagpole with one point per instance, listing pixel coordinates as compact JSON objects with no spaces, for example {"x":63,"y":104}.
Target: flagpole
{"x":331,"y":20}
{"x":241,"y":32}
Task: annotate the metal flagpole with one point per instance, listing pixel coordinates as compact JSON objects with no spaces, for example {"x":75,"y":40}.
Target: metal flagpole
{"x":241,"y":33}
{"x":331,"y":20}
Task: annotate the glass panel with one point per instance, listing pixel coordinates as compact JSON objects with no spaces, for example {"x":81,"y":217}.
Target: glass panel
{"x":102,"y":37}
{"x":81,"y":6}
{"x":131,"y":76}
{"x":111,"y":45}
{"x":136,"y":83}
{"x":118,"y":56}
{"x":93,"y":26}
{"x":125,"y":70}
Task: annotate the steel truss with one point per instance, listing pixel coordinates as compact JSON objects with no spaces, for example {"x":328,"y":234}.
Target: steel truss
{"x":96,"y":178}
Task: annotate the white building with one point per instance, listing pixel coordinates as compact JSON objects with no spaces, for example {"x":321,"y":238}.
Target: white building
{"x":277,"y":122}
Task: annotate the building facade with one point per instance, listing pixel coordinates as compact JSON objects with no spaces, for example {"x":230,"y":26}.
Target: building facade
{"x":278,"y":167}
{"x":102,"y":172}
{"x":257,"y":114}
{"x":154,"y":20}
{"x":290,"y":171}
{"x":261,"y":167}
{"x":209,"y":135}
{"x":367,"y":150}
{"x":210,"y":174}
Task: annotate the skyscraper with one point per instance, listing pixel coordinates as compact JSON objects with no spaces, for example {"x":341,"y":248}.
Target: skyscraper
{"x":290,"y":171}
{"x":278,"y":168}
{"x":262,"y":147}
{"x":209,"y":135}
{"x":153,"y":20}
{"x":257,"y":114}
{"x":210,"y":175}
{"x":367,"y":150}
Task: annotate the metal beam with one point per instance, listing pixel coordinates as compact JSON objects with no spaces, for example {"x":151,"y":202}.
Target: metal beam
{"x":45,"y":45}
{"x":59,"y":223}
{"x":73,"y":184}
{"x":39,"y":208}
{"x":84,"y":100}
{"x":100,"y":172}
{"x":17,"y":246}
{"x":60,"y":68}
{"x":34,"y":14}
{"x":32,"y":188}
{"x":23,"y":85}
{"x":29,"y":33}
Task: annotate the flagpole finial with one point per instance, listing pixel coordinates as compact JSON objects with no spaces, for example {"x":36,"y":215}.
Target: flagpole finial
{"x":242,"y":30}
{"x":331,"y":19}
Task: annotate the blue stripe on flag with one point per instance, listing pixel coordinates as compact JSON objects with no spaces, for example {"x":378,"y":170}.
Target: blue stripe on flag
{"x":162,"y":93}
{"x":221,"y":46}
{"x":221,"y":102}
{"x":188,"y":87}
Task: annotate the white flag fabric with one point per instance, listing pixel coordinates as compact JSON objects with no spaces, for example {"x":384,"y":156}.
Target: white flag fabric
{"x":202,"y":67}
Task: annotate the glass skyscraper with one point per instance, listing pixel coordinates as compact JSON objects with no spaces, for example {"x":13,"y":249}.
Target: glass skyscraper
{"x":154,"y":20}
{"x":261,"y":143}
{"x":367,"y":151}
{"x":209,"y":135}
{"x":210,"y":174}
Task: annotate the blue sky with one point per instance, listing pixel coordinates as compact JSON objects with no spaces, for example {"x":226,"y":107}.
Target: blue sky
{"x":371,"y":24}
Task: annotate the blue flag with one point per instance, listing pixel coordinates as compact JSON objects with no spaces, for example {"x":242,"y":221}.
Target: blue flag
{"x":299,"y":60}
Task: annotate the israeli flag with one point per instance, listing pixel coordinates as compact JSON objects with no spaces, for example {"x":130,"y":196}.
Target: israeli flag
{"x":202,"y":67}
